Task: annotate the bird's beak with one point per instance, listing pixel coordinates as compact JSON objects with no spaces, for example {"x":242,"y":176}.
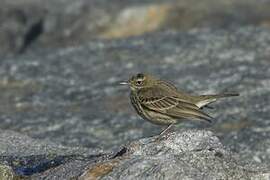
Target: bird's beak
{"x":124,"y":83}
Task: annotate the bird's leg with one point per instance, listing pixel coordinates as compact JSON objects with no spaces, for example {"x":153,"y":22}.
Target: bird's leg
{"x":165,"y":131}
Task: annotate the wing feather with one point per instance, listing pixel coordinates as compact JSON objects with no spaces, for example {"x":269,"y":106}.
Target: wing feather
{"x":159,"y":100}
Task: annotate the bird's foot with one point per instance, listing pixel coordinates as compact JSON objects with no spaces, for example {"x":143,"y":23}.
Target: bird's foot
{"x":161,"y":137}
{"x":163,"y":134}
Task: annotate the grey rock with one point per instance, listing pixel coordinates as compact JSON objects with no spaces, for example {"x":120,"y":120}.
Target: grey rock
{"x":36,"y":24}
{"x":20,"y":25}
{"x":12,"y":143}
{"x":63,"y":115}
{"x":22,"y":156}
{"x":69,"y":170}
{"x":70,"y":96}
{"x":191,"y":154}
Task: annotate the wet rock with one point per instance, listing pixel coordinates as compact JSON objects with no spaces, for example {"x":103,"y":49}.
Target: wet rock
{"x":190,"y":154}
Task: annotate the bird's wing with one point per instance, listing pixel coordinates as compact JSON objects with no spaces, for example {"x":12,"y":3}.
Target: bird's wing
{"x":162,"y":101}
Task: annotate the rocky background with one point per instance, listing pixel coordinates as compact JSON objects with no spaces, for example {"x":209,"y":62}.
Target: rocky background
{"x":64,"y":116}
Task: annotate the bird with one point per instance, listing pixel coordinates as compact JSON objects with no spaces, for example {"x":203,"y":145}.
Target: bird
{"x":161,"y":103}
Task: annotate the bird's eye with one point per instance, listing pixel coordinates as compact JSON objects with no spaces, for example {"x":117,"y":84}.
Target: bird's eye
{"x":139,"y":82}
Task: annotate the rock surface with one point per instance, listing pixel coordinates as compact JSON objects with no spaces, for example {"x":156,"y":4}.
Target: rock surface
{"x":190,"y":154}
{"x":71,"y":97}
{"x":63,"y":114}
{"x":22,"y":156}
{"x":30,"y":24}
{"x":6,"y":172}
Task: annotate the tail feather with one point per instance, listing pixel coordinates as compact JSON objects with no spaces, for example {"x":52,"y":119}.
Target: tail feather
{"x":204,"y":100}
{"x":216,"y":96}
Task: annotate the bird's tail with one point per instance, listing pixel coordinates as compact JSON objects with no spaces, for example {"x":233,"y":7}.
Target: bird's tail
{"x":216,"y":96}
{"x":203,"y":100}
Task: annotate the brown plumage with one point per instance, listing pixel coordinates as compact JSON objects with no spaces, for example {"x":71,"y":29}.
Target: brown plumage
{"x":162,"y":103}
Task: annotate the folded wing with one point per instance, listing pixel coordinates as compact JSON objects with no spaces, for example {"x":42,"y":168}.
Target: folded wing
{"x":162,"y":101}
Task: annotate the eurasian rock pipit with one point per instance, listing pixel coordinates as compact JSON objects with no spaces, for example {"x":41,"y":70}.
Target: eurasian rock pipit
{"x":162,"y":103}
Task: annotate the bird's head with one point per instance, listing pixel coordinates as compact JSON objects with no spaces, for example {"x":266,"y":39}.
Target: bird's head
{"x":140,"y":81}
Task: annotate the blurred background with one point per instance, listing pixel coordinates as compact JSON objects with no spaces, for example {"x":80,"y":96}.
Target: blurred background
{"x":33,"y":24}
{"x":61,"y":61}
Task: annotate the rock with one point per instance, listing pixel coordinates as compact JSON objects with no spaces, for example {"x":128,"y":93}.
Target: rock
{"x":52,"y":24}
{"x":187,"y":154}
{"x":62,"y":110}
{"x":20,"y":25}
{"x":6,"y":173}
{"x":69,"y":96}
{"x":190,"y":154}
{"x":22,"y":157}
